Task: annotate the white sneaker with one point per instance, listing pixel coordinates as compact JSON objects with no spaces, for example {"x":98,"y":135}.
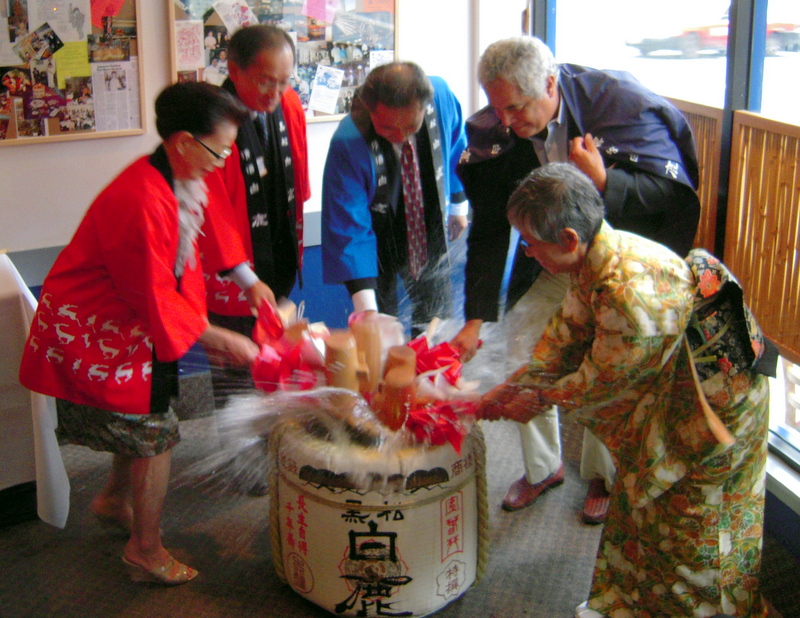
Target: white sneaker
{"x":582,"y":611}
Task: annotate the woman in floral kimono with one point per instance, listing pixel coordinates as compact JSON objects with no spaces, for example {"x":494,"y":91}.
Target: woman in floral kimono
{"x":123,"y":302}
{"x":632,"y":351}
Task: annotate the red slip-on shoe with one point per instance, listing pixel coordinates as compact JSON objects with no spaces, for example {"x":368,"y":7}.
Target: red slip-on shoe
{"x":522,"y":493}
{"x":595,"y":506}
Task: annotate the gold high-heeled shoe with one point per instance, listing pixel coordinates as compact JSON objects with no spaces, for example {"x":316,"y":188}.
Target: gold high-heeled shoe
{"x":171,"y":573}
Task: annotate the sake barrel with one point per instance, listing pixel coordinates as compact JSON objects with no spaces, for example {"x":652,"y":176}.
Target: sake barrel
{"x":365,"y":532}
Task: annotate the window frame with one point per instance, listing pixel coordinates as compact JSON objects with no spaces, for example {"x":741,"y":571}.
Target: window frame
{"x":743,"y":91}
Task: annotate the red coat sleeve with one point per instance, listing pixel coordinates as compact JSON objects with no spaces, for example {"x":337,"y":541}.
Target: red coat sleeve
{"x":225,"y":231}
{"x":295,"y":117}
{"x":139,"y":244}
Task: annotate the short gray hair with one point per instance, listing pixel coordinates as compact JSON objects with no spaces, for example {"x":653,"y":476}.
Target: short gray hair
{"x":553,"y":197}
{"x":525,"y":62}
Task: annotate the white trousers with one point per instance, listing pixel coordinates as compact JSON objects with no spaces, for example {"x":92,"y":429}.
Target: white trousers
{"x":541,"y":439}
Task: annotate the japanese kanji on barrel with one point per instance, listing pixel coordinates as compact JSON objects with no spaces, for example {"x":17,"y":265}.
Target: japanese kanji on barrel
{"x":363,"y":532}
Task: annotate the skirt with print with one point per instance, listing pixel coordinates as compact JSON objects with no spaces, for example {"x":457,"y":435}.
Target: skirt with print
{"x":131,"y":435}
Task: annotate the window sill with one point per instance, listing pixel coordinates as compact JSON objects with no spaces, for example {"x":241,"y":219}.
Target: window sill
{"x":783,"y":482}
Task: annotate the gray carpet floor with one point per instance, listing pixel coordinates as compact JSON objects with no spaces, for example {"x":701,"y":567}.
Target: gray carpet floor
{"x":540,"y":564}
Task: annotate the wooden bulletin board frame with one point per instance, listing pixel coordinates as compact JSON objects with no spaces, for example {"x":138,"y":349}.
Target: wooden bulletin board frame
{"x":337,"y":43}
{"x":69,"y":70}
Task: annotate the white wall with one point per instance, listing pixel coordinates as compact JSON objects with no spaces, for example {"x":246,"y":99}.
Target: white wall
{"x":319,"y":138}
{"x":45,"y":188}
{"x":436,"y":35}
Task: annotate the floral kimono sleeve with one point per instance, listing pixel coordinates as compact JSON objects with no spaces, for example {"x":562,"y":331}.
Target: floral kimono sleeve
{"x":611,"y":339}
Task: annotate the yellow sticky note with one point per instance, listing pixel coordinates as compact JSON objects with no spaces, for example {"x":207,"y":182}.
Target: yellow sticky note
{"x":72,"y":60}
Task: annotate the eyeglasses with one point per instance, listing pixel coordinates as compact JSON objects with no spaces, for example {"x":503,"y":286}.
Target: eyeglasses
{"x":221,"y":156}
{"x":268,"y":84}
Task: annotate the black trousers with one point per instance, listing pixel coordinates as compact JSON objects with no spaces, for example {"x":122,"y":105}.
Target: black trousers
{"x":227,"y":380}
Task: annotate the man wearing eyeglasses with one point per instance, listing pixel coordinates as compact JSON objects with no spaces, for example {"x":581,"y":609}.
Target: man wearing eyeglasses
{"x":639,"y":152}
{"x":253,"y":244}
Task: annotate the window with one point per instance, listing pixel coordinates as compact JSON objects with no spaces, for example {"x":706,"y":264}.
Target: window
{"x":784,"y":422}
{"x":781,"y":62}
{"x":676,"y":49}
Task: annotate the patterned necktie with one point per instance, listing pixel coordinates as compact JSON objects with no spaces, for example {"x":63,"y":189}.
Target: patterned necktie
{"x":260,"y":122}
{"x":415,"y":217}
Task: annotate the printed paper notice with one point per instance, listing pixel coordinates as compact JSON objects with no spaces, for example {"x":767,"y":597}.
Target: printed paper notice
{"x":378,"y":57}
{"x":116,"y":95}
{"x":8,"y":57}
{"x":68,"y":18}
{"x":322,"y":10}
{"x":189,"y":45}
{"x":325,"y":93}
{"x":235,"y":14}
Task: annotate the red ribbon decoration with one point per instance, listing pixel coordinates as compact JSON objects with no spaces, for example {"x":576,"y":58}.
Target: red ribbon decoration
{"x":441,"y":423}
{"x":437,"y":357}
{"x":282,"y":364}
{"x":269,"y":327}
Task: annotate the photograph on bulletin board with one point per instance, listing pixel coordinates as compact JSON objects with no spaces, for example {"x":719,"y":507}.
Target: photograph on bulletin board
{"x":337,"y":43}
{"x":68,"y":69}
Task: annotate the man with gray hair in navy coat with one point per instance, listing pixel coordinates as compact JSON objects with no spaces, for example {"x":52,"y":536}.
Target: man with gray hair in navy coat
{"x":639,"y":152}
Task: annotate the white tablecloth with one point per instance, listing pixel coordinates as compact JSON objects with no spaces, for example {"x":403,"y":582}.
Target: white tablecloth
{"x":27,"y":420}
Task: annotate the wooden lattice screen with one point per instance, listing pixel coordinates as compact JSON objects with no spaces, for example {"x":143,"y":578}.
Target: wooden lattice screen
{"x":762,"y":230}
{"x":707,"y":128}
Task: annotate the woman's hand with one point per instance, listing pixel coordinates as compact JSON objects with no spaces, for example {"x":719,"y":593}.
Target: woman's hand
{"x":258,"y":293}
{"x":228,"y":347}
{"x":509,"y":400}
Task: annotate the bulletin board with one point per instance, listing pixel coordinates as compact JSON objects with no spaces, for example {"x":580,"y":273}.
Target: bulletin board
{"x":337,"y":43}
{"x":69,"y":69}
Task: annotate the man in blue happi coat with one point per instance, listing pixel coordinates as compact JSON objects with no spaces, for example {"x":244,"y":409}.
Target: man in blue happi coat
{"x":366,"y":239}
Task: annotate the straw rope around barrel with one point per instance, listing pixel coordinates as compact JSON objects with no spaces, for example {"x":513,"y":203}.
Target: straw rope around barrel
{"x":274,"y":504}
{"x":483,"y":502}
